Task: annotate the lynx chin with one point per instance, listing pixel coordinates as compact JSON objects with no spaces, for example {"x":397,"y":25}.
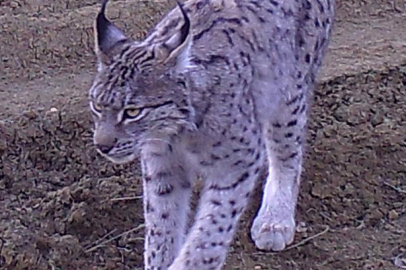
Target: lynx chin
{"x":219,"y":89}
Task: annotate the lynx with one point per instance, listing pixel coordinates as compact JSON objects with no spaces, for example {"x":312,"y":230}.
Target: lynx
{"x":217,"y":90}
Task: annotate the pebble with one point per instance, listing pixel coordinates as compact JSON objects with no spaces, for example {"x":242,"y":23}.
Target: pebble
{"x":393,"y":214}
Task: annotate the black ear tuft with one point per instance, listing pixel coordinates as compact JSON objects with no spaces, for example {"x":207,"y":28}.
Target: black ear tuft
{"x":107,"y":35}
{"x":185,"y":30}
{"x":102,"y":24}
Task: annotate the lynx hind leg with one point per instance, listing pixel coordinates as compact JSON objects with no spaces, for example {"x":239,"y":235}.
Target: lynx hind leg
{"x":274,"y":225}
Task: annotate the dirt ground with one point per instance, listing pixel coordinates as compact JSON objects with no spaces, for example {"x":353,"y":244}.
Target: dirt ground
{"x":64,"y":207}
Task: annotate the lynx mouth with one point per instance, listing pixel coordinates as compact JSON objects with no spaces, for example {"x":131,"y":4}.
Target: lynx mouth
{"x":120,"y":159}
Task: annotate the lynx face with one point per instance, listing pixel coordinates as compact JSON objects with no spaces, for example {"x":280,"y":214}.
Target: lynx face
{"x":133,"y":111}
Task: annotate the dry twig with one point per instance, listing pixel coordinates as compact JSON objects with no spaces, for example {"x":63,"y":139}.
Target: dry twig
{"x":126,"y":198}
{"x":395,"y":188}
{"x":101,"y":239}
{"x":114,"y":238}
{"x":304,"y":241}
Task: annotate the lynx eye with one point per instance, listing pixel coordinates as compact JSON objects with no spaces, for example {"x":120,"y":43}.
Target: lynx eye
{"x":131,"y":113}
{"x":96,"y":108}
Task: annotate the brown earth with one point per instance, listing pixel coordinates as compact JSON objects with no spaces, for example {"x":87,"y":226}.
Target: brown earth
{"x":63,"y":207}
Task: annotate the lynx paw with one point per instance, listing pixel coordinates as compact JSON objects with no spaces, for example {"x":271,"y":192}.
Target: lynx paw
{"x":273,"y":232}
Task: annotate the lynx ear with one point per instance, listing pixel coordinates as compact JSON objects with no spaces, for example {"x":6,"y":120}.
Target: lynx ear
{"x":178,"y":46}
{"x":106,"y":36}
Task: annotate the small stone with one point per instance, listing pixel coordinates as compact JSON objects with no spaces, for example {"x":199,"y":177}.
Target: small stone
{"x":393,"y":215}
{"x":377,"y":214}
{"x":320,"y":191}
{"x":14,"y":4}
{"x":76,"y":216}
{"x":301,"y":227}
{"x":30,"y":114}
{"x":258,"y":267}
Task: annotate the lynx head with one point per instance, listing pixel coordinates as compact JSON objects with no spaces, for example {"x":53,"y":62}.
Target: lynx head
{"x":138,"y":94}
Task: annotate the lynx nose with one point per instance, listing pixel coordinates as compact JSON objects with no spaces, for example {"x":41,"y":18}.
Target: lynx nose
{"x":104,"y":139}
